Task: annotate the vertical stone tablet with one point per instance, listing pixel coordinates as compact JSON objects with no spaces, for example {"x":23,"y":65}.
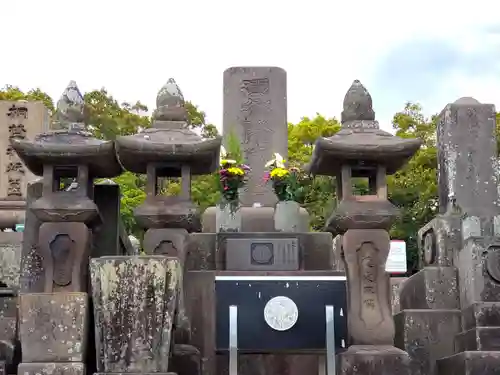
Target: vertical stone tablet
{"x":255,"y":110}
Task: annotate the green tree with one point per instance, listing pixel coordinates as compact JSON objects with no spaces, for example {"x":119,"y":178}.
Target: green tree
{"x":318,"y":194}
{"x":10,"y":92}
{"x":414,"y":188}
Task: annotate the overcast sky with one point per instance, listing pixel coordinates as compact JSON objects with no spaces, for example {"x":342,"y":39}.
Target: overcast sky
{"x":432,"y":52}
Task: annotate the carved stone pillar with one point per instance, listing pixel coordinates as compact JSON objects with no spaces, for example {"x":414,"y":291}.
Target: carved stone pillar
{"x":370,"y":316}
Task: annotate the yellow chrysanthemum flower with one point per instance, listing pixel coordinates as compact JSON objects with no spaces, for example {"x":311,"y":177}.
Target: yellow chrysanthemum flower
{"x":236,"y":171}
{"x":227,"y":161}
{"x":279,"y":172}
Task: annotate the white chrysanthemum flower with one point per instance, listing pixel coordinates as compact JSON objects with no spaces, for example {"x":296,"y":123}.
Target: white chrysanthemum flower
{"x":280,"y":162}
{"x":269,"y":163}
{"x":223,"y":152}
{"x":229,"y":161}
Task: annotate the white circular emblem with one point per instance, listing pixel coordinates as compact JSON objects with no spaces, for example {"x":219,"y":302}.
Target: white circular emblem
{"x":281,"y":313}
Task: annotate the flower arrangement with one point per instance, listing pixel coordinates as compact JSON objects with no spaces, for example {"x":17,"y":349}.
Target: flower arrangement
{"x":284,"y":180}
{"x":232,"y":176}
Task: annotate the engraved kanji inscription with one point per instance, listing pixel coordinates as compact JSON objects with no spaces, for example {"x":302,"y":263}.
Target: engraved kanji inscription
{"x":17,"y":131}
{"x":252,"y":102}
{"x":17,"y":112}
{"x":15,"y":166}
{"x":259,"y":86}
{"x":9,"y":151}
{"x":14,"y":187}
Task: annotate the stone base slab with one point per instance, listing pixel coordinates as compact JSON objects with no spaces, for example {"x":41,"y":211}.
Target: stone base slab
{"x":274,"y":364}
{"x":431,"y":288}
{"x":254,"y":219}
{"x":186,"y":360}
{"x":133,"y":373}
{"x":481,"y":314}
{"x":52,"y":368}
{"x":426,"y":335}
{"x":470,"y":363}
{"x":480,"y":338}
{"x":373,"y":360}
{"x":53,"y":327}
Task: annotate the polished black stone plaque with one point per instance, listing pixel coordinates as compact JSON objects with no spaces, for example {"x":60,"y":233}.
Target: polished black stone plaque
{"x":310,"y":293}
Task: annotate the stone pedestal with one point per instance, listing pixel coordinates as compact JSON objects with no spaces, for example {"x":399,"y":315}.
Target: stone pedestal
{"x":430,"y":317}
{"x":374,"y":360}
{"x":426,"y":335}
{"x":53,"y":330}
{"x":253,"y":219}
{"x":471,"y":363}
{"x":208,"y":251}
{"x":135,"y":299}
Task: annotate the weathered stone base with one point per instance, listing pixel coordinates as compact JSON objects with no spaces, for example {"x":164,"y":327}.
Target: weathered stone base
{"x":53,"y":327}
{"x":133,"y":373}
{"x":186,"y":360}
{"x":431,"y":288}
{"x":470,"y":363}
{"x":254,"y":219}
{"x":373,"y":360}
{"x":481,"y":338}
{"x":273,"y":364}
{"x":481,"y":314}
{"x":52,"y":368}
{"x":426,"y":335}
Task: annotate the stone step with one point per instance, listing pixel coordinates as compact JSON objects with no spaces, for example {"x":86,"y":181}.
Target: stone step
{"x":479,"y":338}
{"x":481,"y":314}
{"x":373,"y":360}
{"x":470,"y":363}
{"x":427,"y":335}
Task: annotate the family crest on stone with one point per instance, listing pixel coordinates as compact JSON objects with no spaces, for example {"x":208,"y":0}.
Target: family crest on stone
{"x":246,"y":286}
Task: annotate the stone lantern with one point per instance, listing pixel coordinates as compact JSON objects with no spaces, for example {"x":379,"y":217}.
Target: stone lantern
{"x":53,"y":308}
{"x":68,"y":154}
{"x":168,"y":149}
{"x":362,"y":150}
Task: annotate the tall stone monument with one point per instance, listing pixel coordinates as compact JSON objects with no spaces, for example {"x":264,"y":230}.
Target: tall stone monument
{"x":255,"y":111}
{"x":20,"y":120}
{"x":360,"y":149}
{"x":469,"y":180}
